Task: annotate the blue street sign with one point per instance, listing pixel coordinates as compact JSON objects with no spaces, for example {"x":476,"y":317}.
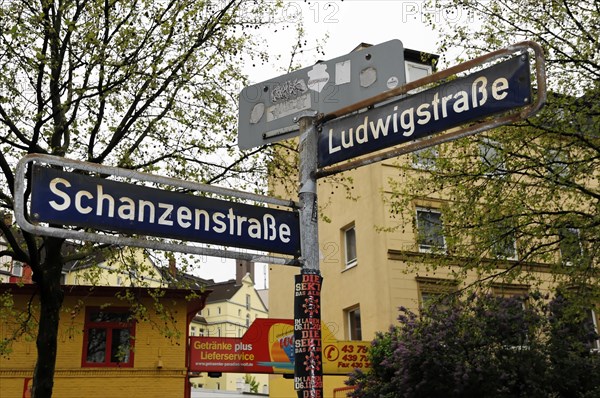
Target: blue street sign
{"x":493,"y":90}
{"x":74,"y":199}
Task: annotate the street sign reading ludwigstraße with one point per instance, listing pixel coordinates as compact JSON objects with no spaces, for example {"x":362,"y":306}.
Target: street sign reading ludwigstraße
{"x":74,"y":199}
{"x":493,"y":90}
{"x":268,"y":110}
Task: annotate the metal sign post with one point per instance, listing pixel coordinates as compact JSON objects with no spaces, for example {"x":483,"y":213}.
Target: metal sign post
{"x":308,"y":360}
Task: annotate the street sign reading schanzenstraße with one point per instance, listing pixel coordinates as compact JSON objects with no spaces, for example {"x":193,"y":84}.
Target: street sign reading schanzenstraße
{"x":74,"y":199}
{"x":493,"y":90}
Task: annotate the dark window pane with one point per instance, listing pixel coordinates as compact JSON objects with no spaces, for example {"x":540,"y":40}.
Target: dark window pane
{"x":570,"y":245}
{"x":429,"y":226}
{"x":504,"y":244}
{"x":120,"y":346}
{"x":514,"y":332}
{"x":350,"y":245}
{"x":355,"y":329}
{"x":109,"y":335}
{"x":96,"y":345}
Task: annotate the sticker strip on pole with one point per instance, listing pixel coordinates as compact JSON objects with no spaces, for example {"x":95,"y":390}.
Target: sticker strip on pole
{"x":308,"y":360}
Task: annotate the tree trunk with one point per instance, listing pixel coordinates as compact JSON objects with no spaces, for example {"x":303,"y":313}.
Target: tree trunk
{"x":51,"y":299}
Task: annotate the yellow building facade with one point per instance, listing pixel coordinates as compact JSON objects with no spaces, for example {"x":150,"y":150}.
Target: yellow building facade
{"x":231,"y":306}
{"x":103,"y":351}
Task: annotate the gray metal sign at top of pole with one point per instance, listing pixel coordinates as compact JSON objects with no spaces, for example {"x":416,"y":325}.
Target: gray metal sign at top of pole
{"x":269,"y":110}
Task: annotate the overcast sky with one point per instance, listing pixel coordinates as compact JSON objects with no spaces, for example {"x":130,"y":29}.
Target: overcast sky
{"x":349,"y":23}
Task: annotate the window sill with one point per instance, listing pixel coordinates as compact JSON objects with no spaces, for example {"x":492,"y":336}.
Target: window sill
{"x":432,"y":250}
{"x":423,"y":167}
{"x":350,"y":266}
{"x":107,"y":365}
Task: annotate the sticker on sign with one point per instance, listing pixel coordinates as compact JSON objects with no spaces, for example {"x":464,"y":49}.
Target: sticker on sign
{"x":268,"y":110}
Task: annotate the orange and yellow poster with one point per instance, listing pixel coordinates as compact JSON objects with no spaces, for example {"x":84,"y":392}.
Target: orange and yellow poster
{"x":268,"y":347}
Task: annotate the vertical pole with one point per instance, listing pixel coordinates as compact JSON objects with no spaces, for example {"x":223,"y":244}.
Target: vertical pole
{"x":308,"y":361}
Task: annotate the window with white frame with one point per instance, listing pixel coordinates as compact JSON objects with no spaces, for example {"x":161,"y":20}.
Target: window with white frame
{"x":584,"y":323}
{"x":425,"y":158}
{"x":430,"y":233}
{"x":350,"y":257}
{"x":354,"y":324}
{"x":504,"y":244}
{"x":570,"y":246}
{"x":491,"y":158}
{"x":593,"y":321}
